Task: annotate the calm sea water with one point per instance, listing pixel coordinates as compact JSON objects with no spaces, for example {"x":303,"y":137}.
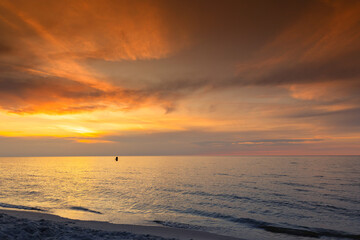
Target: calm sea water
{"x":248,"y":197}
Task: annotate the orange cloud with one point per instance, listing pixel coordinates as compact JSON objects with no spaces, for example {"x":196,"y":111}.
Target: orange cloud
{"x":101,"y":29}
{"x":62,"y":96}
{"x":45,"y":72}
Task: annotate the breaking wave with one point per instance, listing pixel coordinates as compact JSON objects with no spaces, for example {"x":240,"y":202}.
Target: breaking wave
{"x":6,"y":205}
{"x":77,"y":208}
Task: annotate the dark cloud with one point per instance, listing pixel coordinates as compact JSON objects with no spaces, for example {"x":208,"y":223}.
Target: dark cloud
{"x":29,"y":94}
{"x":341,"y":120}
{"x":4,"y":49}
{"x":232,"y":27}
{"x":317,"y":44}
{"x":343,"y":67}
{"x":50,"y":87}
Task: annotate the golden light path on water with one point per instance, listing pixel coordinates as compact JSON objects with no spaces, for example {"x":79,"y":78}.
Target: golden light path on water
{"x":228,"y":195}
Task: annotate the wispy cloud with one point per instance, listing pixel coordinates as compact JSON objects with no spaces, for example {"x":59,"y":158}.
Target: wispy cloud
{"x":41,"y":68}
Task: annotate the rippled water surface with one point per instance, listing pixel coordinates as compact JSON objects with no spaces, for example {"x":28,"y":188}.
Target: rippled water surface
{"x":248,"y":197}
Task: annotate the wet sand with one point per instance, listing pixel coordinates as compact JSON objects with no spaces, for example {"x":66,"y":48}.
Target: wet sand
{"x":16,"y":224}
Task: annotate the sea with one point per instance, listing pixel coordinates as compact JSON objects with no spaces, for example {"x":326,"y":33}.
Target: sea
{"x":250,"y":197}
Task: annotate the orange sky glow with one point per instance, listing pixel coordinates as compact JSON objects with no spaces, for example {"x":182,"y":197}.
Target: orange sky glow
{"x":156,"y":77}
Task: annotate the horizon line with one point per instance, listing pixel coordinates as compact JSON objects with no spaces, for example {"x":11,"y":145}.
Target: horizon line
{"x":240,"y":155}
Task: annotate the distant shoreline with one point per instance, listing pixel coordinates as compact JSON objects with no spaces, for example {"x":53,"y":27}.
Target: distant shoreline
{"x":33,"y":219}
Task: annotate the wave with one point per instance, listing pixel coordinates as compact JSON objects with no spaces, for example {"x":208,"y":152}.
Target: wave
{"x":311,"y":232}
{"x":179,"y":225}
{"x":206,"y":194}
{"x":6,"y":205}
{"x":229,"y":175}
{"x":301,"y":190}
{"x":275,"y":228}
{"x":293,"y":184}
{"x":308,"y":205}
{"x":340,"y":198}
{"x":298,"y":204}
{"x":77,"y":208}
{"x":227,"y":196}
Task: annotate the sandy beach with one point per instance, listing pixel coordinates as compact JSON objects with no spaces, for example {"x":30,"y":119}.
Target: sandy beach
{"x":16,"y":224}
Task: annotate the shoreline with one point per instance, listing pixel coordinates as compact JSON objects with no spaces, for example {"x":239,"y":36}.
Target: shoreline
{"x":142,"y":231}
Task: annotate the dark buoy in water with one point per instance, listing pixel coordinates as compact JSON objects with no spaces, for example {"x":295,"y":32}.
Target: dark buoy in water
{"x":116,"y":158}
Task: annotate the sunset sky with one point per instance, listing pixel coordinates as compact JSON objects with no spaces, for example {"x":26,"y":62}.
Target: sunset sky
{"x":95,"y":77}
